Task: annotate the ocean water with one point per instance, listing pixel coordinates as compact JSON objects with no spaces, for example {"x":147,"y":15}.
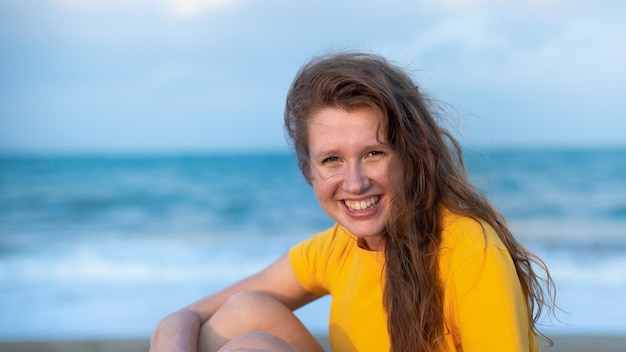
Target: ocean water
{"x":105,"y":246}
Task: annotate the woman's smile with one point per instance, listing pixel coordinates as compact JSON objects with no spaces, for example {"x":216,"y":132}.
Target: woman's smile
{"x":361,"y":205}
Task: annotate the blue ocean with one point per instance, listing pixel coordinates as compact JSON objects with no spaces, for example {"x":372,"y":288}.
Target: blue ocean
{"x":105,"y":246}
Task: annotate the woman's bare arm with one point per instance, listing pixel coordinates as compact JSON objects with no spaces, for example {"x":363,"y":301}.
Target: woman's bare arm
{"x":179,"y":331}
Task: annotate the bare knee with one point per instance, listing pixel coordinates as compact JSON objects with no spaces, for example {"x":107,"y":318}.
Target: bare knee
{"x":251,"y":309}
{"x":257,"y":342}
{"x":243,"y":313}
{"x":254,"y":312}
{"x":255,"y":301}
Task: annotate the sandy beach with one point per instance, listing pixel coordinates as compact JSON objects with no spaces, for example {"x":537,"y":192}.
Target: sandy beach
{"x":574,"y":343}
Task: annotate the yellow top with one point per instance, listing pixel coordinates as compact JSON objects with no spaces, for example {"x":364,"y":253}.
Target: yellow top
{"x":484,"y":306}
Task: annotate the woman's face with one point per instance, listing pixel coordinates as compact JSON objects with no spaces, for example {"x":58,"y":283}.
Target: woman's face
{"x":349,"y":169}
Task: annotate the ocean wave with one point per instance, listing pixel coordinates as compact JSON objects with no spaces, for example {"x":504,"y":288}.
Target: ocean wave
{"x":149,"y":235}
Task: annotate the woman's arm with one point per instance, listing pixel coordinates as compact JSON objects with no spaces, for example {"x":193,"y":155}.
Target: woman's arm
{"x":179,"y":331}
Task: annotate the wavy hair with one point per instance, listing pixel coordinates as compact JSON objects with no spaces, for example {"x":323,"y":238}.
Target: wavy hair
{"x":432,"y":175}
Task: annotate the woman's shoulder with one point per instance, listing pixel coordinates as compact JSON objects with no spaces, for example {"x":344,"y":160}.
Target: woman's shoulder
{"x":465,"y":232}
{"x":332,"y":241}
{"x":317,"y":261}
{"x":469,"y":243}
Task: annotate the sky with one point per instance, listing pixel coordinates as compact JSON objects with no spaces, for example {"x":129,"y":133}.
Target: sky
{"x":129,"y":76}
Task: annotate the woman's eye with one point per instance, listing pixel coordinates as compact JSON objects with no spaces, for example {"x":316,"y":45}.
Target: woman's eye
{"x":330,"y":159}
{"x":376,"y":153}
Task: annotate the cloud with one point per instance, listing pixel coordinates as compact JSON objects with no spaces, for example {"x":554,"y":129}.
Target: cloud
{"x":229,"y":63}
{"x":190,"y":8}
{"x":528,"y":74}
{"x":518,"y":5}
{"x":175,"y":8}
{"x":82,"y":5}
{"x":589,"y":43}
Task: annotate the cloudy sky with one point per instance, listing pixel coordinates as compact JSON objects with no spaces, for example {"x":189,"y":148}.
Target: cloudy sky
{"x":206,"y":75}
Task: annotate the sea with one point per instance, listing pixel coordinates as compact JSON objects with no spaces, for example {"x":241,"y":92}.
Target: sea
{"x":104,"y":246}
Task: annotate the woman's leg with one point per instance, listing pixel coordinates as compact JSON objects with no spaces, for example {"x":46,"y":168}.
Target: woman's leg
{"x":250,"y":320}
{"x":257,"y":342}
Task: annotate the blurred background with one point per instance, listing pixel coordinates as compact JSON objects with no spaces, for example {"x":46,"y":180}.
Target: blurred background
{"x":144,"y":165}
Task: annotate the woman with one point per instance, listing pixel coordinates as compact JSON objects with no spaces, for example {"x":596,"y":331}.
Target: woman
{"x":418,"y":259}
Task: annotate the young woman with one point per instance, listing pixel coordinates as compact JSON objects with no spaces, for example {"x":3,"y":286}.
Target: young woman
{"x":418,"y":260}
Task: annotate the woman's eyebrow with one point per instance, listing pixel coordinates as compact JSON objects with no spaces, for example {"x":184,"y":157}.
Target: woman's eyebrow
{"x":325,"y":153}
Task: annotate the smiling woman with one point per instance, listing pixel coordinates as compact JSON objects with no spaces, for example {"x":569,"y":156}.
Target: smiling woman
{"x":417,"y":260}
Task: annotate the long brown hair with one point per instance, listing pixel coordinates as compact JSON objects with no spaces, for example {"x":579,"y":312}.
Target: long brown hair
{"x":432,"y":175}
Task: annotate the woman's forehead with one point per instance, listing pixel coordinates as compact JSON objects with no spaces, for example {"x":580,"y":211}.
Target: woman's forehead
{"x":332,"y":129}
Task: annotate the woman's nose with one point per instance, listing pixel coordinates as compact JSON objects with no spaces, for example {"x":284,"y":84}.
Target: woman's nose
{"x":356,"y":180}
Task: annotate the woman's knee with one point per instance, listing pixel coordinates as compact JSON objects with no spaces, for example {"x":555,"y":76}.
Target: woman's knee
{"x":252,"y":307}
{"x":251,"y":300}
{"x":258,"y":341}
{"x":255,"y":312}
{"x":243,"y":313}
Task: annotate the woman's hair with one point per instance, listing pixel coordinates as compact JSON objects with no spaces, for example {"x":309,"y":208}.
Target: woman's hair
{"x":429,"y":174}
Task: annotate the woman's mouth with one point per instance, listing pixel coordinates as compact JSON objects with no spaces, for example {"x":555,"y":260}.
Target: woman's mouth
{"x":360,"y":205}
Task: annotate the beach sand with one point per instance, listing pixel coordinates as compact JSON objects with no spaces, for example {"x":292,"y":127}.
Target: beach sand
{"x":574,"y":343}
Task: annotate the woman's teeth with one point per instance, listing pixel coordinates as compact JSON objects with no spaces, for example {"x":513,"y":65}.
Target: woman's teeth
{"x":361,"y":204}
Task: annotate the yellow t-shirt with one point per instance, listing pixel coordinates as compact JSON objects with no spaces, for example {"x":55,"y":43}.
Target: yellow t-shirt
{"x":484,"y":306}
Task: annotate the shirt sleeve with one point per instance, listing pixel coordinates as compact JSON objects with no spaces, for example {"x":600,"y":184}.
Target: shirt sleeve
{"x":308,"y":262}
